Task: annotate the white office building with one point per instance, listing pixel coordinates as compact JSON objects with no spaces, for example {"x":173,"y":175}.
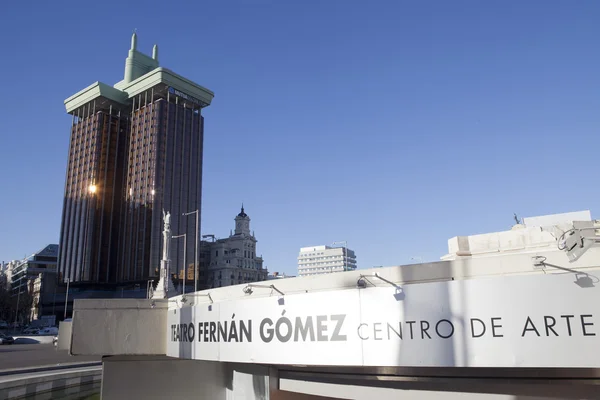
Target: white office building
{"x":317,"y":260}
{"x":7,"y":273}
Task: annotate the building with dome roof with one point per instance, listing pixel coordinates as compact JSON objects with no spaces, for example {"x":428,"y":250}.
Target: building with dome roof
{"x":233,"y":260}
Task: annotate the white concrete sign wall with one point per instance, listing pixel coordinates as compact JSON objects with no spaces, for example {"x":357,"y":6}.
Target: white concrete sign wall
{"x":528,"y":321}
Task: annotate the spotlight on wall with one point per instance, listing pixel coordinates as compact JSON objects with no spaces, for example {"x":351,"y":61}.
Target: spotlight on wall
{"x":575,"y":243}
{"x":248,"y":288}
{"x":202,"y":295}
{"x":361,"y":283}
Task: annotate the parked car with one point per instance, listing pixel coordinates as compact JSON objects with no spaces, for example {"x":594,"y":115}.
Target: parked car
{"x":3,"y":324}
{"x":49,"y":331}
{"x":31,"y":331}
{"x":5,"y":339}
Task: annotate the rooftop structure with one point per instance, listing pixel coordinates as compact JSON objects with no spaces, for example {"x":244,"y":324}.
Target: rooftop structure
{"x":532,"y":235}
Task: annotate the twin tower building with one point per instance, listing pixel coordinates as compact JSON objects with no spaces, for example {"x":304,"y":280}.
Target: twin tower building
{"x":135,"y":149}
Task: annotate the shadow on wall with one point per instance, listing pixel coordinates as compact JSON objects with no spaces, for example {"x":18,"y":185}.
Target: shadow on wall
{"x":433,"y":312}
{"x":185,"y":346}
{"x":582,"y":279}
{"x":248,"y":381}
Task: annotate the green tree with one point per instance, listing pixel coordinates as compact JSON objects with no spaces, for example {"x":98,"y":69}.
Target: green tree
{"x":8,"y":306}
{"x":24,"y":301}
{"x":5,"y":305}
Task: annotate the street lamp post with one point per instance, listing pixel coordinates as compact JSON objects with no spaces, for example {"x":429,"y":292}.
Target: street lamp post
{"x":67,"y":298}
{"x":184,"y":236}
{"x":54,"y":298}
{"x":197,"y":212}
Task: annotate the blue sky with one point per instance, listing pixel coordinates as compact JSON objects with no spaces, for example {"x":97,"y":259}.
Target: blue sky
{"x":393,"y":125}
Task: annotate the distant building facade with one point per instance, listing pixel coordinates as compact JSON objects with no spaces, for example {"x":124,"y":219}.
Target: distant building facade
{"x":36,"y":276}
{"x":277,"y":275}
{"x":41,"y":262}
{"x":531,"y":235}
{"x":233,"y":260}
{"x":317,"y":260}
{"x":6,"y":274}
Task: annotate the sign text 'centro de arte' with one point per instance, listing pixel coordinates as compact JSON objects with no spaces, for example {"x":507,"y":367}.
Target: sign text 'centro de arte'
{"x":513,"y":321}
{"x":323,"y":328}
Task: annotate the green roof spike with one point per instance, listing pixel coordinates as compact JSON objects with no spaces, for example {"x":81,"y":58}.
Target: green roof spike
{"x":155,"y":52}
{"x":134,"y":41}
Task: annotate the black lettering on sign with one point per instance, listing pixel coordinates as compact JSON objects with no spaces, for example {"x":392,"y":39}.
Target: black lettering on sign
{"x":184,"y":332}
{"x":424,"y":327}
{"x":376,"y":330}
{"x":191,"y":332}
{"x":212,"y":331}
{"x":339,"y":321}
{"x":410,"y":326}
{"x":568,"y":320}
{"x":549,"y":323}
{"x":584,"y":324}
{"x":391,"y":328}
{"x":200,"y":326}
{"x":304,"y":329}
{"x":233,"y":336}
{"x":246,"y":331}
{"x":449,"y":328}
{"x":481,"y":330}
{"x":528,"y":328}
{"x":494,"y":327}
{"x":321,"y":328}
{"x":359,"y":332}
{"x":288,"y":329}
{"x":267,"y":334}
{"x":309,"y":329}
{"x":222,"y":331}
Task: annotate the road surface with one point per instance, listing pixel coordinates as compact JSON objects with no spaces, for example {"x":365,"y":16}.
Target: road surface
{"x":35,"y":355}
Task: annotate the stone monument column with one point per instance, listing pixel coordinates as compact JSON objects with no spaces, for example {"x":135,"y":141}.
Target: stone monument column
{"x":165,"y":287}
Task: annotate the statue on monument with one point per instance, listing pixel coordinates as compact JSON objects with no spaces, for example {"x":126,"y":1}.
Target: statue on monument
{"x":166,"y":234}
{"x":165,"y":284}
